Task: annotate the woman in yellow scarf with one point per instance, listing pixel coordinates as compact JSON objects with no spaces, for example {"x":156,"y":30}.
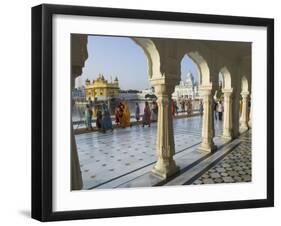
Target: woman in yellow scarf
{"x":125,"y":120}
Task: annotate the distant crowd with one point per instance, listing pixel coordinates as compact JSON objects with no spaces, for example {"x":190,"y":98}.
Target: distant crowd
{"x":186,"y":106}
{"x":144,"y":116}
{"x":123,"y":116}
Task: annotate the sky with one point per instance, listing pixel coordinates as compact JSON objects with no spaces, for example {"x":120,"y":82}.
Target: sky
{"x":122,"y":57}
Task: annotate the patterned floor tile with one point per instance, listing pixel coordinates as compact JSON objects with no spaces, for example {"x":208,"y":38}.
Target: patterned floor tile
{"x":234,"y":167}
{"x":115,"y":153}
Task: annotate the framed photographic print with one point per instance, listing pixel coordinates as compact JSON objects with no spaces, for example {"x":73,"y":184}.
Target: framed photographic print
{"x":145,"y":112}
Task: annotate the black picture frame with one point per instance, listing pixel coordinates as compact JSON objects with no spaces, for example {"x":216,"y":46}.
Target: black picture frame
{"x":42,"y":111}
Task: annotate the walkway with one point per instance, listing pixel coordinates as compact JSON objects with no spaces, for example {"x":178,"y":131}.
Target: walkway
{"x":125,"y":153}
{"x":235,"y":167}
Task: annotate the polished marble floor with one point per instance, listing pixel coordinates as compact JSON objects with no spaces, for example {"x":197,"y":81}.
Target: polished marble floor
{"x":108,"y":157}
{"x":234,"y":167}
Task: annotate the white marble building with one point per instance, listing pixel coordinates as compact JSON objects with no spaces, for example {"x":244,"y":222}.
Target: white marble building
{"x":187,"y":87}
{"x":149,"y":91}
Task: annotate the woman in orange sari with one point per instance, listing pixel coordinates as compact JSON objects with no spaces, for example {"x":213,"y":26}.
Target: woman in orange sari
{"x":126,"y":118}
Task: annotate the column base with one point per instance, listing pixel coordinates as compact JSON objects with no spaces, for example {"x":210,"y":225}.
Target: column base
{"x":227,"y":136}
{"x":165,"y":168}
{"x":250,"y":124}
{"x":244,"y":128}
{"x":207,"y":147}
{"x":235,"y":134}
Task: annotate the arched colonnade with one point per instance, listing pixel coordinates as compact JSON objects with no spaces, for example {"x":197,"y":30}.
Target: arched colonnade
{"x":230,"y":59}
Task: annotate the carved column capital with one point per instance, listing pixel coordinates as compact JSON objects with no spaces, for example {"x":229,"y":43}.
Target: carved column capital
{"x":227,"y":92}
{"x":164,"y":86}
{"x":206,"y":90}
{"x":245,"y":95}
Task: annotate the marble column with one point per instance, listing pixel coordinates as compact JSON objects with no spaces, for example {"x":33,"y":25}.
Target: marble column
{"x":244,"y":114}
{"x":76,"y":177}
{"x":250,"y":114}
{"x":79,"y":54}
{"x":227,"y":115}
{"x":235,"y":99}
{"x":207,"y":144}
{"x":165,"y":146}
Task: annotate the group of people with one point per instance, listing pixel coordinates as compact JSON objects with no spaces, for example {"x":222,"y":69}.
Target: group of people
{"x":122,"y":115}
{"x":149,"y":115}
{"x":103,"y":117}
{"x":186,"y":106}
{"x":103,"y":121}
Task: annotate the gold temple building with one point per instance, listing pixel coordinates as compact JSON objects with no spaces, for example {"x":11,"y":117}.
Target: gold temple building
{"x":101,"y":89}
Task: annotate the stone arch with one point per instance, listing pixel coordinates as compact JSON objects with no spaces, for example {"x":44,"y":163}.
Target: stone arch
{"x":244,"y":85}
{"x":226,"y":78}
{"x":163,"y":83}
{"x":194,"y":66}
{"x":205,"y":87}
{"x":203,"y":70}
{"x":227,"y":102}
{"x":152,"y":54}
